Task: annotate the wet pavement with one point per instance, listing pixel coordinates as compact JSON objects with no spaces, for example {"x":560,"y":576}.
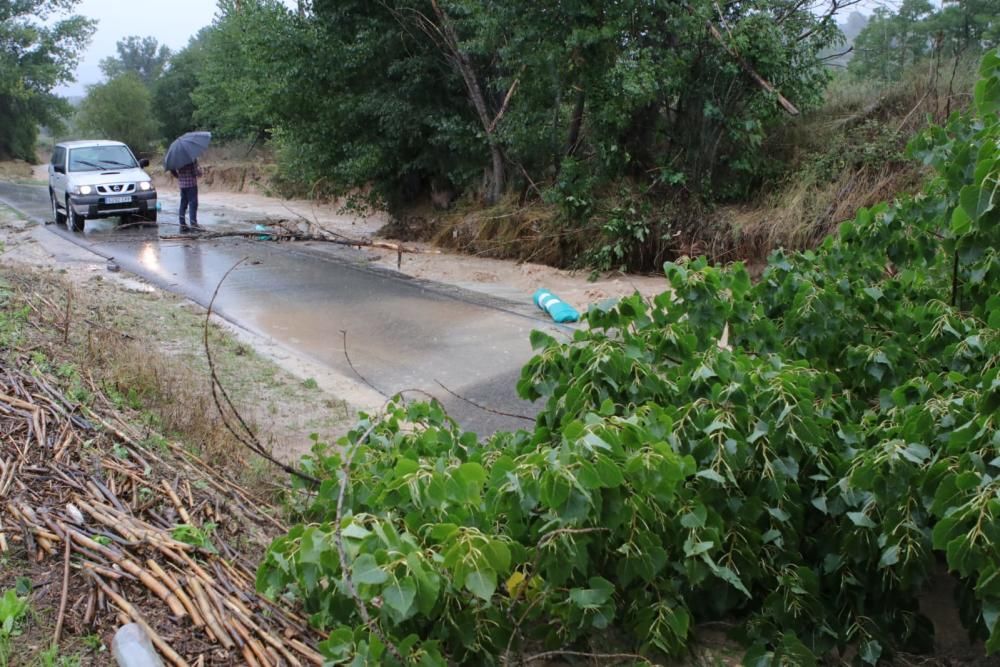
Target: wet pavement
{"x":401,"y":333}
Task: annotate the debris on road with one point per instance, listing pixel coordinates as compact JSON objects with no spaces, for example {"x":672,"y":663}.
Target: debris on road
{"x":290,"y":230}
{"x":558,"y":310}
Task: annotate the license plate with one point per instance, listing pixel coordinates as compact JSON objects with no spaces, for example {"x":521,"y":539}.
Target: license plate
{"x":117,"y":200}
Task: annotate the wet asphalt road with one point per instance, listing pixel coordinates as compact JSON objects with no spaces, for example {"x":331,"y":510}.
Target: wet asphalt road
{"x":402,"y":333}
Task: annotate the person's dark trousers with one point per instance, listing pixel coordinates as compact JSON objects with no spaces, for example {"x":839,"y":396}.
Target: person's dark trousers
{"x":189,"y":206}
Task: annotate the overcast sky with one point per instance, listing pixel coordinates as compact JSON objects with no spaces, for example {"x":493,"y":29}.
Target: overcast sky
{"x":171,"y":22}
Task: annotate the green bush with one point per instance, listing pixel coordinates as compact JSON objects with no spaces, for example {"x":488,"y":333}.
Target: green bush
{"x":801,"y":480}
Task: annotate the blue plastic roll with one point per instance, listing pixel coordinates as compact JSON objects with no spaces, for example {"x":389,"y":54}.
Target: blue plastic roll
{"x":557,"y":310}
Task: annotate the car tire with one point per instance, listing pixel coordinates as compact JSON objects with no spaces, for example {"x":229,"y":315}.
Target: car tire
{"x":76,"y":221}
{"x":57,"y":217}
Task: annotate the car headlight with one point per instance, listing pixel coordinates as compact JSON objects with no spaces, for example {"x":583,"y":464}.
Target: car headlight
{"x":145,"y":185}
{"x":84,"y":190}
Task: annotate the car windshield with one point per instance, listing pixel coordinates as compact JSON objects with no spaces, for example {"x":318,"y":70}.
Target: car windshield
{"x":101,"y":158}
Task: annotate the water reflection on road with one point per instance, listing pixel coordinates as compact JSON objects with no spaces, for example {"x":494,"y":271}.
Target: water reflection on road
{"x":402,"y":333}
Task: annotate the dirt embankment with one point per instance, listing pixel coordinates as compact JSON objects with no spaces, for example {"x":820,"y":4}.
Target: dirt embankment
{"x":17,"y":170}
{"x":247,"y":177}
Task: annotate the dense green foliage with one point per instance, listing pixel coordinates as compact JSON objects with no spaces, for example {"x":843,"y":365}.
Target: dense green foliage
{"x":244,"y":67}
{"x":120,"y":109}
{"x":802,"y":480}
{"x":894,"y":40}
{"x":39,"y":48}
{"x":173,"y":100}
{"x":412,"y":96}
{"x":142,"y":56}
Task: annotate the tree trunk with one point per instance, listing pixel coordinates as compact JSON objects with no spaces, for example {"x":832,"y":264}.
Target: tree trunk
{"x":461,"y":61}
{"x":495,"y":190}
{"x":576,"y":123}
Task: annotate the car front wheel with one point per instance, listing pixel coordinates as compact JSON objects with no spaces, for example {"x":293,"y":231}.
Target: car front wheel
{"x":76,"y":221}
{"x":57,"y":217}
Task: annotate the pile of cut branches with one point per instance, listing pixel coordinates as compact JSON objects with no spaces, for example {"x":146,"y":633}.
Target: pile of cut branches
{"x":135,"y":534}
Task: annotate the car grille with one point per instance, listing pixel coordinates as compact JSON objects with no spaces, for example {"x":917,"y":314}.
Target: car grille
{"x":112,"y":189}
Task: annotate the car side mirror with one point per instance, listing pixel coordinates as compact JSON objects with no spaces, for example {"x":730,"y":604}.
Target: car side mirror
{"x":59,"y":169}
{"x":143,"y":163}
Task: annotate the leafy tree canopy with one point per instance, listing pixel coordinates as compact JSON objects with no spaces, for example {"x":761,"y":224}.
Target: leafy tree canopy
{"x":412,"y":95}
{"x":120,"y":109}
{"x":173,"y":93}
{"x":245,"y":65}
{"x":143,"y":56}
{"x":39,"y":48}
{"x":894,"y":40}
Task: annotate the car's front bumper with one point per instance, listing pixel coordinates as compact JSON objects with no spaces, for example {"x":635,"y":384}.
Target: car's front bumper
{"x":95,"y":206}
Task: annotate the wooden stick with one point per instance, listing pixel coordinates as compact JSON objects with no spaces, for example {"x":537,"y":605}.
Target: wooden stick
{"x":264,"y":634}
{"x":124,"y":605}
{"x":65,"y":593}
{"x":176,"y":501}
{"x":748,"y":68}
{"x":208,"y":614}
{"x":106,"y":572}
{"x":176,"y":589}
{"x":254,"y":645}
{"x":88,"y":615}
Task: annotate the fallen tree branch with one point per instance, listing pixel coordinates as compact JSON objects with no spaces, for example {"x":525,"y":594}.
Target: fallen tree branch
{"x":483,"y":407}
{"x":751,"y":72}
{"x":350,"y":363}
{"x":286,"y":235}
{"x":250,"y":440}
{"x":584,"y":654}
{"x":64,"y":596}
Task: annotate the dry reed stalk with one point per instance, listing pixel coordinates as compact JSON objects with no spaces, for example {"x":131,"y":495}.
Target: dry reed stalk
{"x":205,"y":607}
{"x":132,"y":613}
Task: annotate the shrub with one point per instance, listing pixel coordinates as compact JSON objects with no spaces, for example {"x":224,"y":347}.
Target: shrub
{"x":801,"y":479}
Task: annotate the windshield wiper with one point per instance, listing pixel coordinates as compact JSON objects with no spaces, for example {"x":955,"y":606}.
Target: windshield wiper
{"x":117,"y":164}
{"x":89,"y":164}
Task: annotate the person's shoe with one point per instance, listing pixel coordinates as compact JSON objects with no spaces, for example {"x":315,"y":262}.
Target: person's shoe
{"x":184,"y":228}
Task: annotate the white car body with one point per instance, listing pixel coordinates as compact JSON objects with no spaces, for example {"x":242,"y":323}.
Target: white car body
{"x":98,"y":179}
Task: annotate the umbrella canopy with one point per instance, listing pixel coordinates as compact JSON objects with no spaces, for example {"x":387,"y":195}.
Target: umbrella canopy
{"x":186,"y":149}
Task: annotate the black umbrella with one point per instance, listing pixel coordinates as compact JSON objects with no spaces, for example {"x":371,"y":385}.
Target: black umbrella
{"x":186,"y":149}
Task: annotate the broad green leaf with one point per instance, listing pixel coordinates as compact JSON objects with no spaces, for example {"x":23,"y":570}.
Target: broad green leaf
{"x":870,"y":651}
{"x":594,"y":597}
{"x":726,"y":574}
{"x":696,"y":548}
{"x":400,"y":596}
{"x":890,"y":556}
{"x":860,"y":519}
{"x":365,"y":570}
{"x":482,"y":583}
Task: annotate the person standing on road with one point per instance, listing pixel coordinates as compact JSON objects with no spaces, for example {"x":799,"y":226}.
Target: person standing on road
{"x":187,"y":181}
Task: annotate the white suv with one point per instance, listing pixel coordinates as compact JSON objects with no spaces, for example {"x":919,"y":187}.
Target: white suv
{"x":98,"y":179}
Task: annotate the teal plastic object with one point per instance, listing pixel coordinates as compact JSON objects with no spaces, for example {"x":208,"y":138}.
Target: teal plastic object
{"x":557,"y":310}
{"x":262,"y":237}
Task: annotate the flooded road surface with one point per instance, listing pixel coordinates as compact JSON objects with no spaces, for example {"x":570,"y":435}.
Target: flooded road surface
{"x":401,"y":333}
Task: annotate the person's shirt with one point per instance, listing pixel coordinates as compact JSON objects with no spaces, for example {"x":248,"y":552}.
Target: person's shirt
{"x":187,"y":176}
